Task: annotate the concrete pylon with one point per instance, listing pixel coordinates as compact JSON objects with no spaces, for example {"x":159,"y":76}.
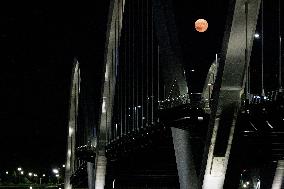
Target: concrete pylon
{"x":173,"y":72}
{"x":108,"y":92}
{"x":228,"y":88}
{"x":73,"y":112}
{"x":279,"y":176}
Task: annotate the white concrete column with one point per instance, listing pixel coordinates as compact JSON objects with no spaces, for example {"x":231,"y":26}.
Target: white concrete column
{"x":216,"y":166}
{"x":279,"y":175}
{"x":100,"y":171}
{"x":184,"y":159}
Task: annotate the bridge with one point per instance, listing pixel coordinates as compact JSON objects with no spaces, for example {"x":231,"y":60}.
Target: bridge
{"x":154,"y":131}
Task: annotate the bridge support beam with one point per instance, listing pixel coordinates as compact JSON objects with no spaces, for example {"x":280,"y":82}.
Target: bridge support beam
{"x":279,"y":176}
{"x":113,"y":33}
{"x":228,"y":89}
{"x":73,"y":112}
{"x":173,"y":74}
{"x":184,"y":159}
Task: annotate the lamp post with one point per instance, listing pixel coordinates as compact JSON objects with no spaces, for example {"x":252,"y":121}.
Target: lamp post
{"x":20,"y":172}
{"x":56,"y":172}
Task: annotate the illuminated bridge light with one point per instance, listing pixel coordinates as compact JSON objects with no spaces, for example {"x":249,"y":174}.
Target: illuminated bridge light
{"x":256,"y":35}
{"x":269,"y":124}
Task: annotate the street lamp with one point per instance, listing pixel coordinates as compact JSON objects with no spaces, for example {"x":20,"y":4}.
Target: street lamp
{"x":30,"y":174}
{"x":19,"y":168}
{"x":7,"y":172}
{"x":22,"y":172}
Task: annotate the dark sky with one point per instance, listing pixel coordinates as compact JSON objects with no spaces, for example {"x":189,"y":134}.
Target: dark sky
{"x":38,"y":45}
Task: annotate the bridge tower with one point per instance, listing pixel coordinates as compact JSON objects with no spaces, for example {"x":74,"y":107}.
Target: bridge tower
{"x":72,"y":124}
{"x":228,"y":89}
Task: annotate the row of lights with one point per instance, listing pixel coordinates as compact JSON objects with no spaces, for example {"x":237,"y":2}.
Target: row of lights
{"x":55,"y":171}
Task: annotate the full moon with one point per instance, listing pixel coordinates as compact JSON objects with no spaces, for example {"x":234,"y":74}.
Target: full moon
{"x":201,"y":25}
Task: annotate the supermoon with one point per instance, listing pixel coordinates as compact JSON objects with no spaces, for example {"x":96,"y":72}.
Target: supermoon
{"x":201,"y":25}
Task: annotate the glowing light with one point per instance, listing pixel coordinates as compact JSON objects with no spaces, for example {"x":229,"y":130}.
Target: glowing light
{"x":269,"y":124}
{"x":69,"y":153}
{"x":104,"y":105}
{"x":55,"y":171}
{"x":19,"y":169}
{"x":201,"y":25}
{"x":256,"y":35}
{"x":113,"y":183}
{"x":70,"y":131}
{"x":57,"y":175}
{"x":30,"y":174}
{"x":7,"y":172}
{"x":22,"y":172}
{"x":43,"y":175}
{"x":63,"y":165}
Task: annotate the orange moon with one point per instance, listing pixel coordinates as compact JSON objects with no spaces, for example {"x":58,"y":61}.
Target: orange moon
{"x":201,"y":25}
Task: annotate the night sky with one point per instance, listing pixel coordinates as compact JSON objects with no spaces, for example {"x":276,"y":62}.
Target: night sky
{"x":38,"y":45}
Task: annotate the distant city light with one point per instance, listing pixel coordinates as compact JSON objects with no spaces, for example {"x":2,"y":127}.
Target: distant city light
{"x":31,"y":187}
{"x":63,"y":165}
{"x":244,"y":185}
{"x":35,"y":175}
{"x":192,"y":70}
{"x":57,"y":175}
{"x":19,"y":168}
{"x":43,"y":175}
{"x":30,"y":174}
{"x":22,"y":172}
{"x":256,"y":35}
{"x":55,"y":171}
{"x":7,"y":172}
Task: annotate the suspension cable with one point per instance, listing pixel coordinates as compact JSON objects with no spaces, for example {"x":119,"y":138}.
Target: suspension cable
{"x":246,"y":55}
{"x":280,"y":47}
{"x":142,"y":66}
{"x":125,"y":80}
{"x":152,"y":66}
{"x":137,"y":71}
{"x":147,"y":61}
{"x":262,"y":46}
{"x":129,"y":64}
{"x":133,"y":68}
